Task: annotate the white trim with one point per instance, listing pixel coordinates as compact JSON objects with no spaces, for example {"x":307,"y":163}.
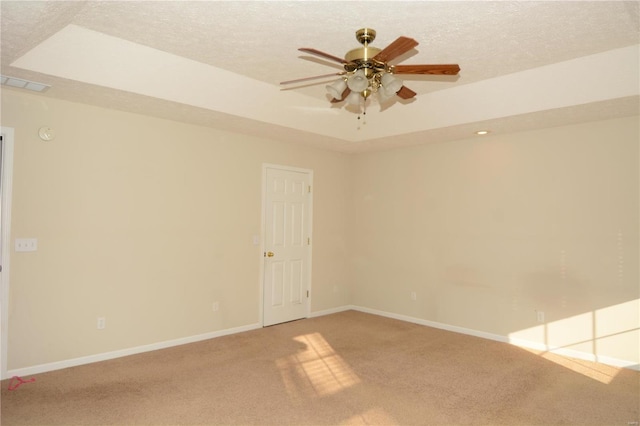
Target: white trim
{"x":263,"y":216}
{"x":310,"y":264}
{"x":330,"y":311}
{"x":42,"y":368}
{"x":434,"y":324}
{"x":263,"y":231}
{"x":615,"y":362}
{"x":7,"y":185}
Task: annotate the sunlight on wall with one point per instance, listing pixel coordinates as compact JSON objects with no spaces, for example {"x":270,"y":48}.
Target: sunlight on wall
{"x":316,"y":370}
{"x":611,"y":330}
{"x":576,"y":332}
{"x":618,"y":326}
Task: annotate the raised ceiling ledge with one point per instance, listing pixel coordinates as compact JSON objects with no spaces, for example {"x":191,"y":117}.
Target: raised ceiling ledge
{"x":77,"y":53}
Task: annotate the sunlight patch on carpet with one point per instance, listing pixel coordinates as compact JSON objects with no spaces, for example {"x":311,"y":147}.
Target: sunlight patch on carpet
{"x":600,"y":372}
{"x":315,"y":370}
{"x":374,"y":416}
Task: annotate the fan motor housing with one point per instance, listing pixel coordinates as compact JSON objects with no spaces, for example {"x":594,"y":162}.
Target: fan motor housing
{"x":361,"y":54}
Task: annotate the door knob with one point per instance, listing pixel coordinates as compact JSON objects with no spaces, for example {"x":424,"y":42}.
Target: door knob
{"x":270,"y":254}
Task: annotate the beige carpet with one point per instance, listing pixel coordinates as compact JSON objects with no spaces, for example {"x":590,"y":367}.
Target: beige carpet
{"x":347,"y":368}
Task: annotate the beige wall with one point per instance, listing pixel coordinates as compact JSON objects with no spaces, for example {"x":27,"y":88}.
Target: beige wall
{"x":148,"y":222}
{"x":488,"y":230}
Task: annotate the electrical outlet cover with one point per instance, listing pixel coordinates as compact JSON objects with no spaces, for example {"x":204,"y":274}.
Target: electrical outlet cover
{"x":26,"y":244}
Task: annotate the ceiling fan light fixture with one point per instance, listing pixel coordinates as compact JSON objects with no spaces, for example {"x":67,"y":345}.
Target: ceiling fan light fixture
{"x":358,"y":81}
{"x":336,"y":88}
{"x":354,"y":98}
{"x":390,"y":83}
{"x":367,"y":70}
{"x":384,"y":94}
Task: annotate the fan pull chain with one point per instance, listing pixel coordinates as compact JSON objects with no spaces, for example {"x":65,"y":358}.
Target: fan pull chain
{"x":364,"y":116}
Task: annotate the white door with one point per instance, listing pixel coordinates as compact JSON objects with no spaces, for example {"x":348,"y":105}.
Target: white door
{"x":287,"y":244}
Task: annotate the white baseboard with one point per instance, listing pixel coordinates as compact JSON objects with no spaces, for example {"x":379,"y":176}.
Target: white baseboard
{"x":615,"y":362}
{"x":43,"y":368}
{"x":331,"y":311}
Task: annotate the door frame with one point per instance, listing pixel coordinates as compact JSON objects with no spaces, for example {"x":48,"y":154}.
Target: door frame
{"x":309,"y":173}
{"x":5,"y":239}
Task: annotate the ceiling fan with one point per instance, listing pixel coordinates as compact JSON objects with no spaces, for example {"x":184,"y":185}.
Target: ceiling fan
{"x":367,"y":70}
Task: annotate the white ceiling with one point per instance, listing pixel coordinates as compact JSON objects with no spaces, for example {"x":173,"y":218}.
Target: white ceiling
{"x":524,"y":64}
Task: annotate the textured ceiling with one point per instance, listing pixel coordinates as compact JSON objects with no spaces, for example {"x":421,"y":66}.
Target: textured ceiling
{"x":218,"y":63}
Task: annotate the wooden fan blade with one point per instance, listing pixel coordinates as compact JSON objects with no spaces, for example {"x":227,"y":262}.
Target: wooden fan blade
{"x":406,"y":93}
{"x":300,"y":80}
{"x":322,"y":54}
{"x":442,"y":69}
{"x":398,"y":47}
{"x":344,"y":96}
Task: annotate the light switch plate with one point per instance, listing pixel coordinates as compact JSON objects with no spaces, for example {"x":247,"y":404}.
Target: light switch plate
{"x":26,"y":244}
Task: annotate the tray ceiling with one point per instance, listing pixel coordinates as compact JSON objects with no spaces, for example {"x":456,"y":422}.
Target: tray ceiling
{"x":525,"y":64}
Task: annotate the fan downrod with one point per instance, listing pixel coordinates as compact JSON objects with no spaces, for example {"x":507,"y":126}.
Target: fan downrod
{"x":361,"y":56}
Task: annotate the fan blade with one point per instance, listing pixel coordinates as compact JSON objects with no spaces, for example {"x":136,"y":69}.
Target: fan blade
{"x":322,"y":54}
{"x":300,"y":80}
{"x":406,"y":93}
{"x":344,"y":96}
{"x":395,"y":49}
{"x":442,"y":69}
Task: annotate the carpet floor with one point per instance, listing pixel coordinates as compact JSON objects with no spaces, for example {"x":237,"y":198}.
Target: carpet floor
{"x":349,"y":368}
